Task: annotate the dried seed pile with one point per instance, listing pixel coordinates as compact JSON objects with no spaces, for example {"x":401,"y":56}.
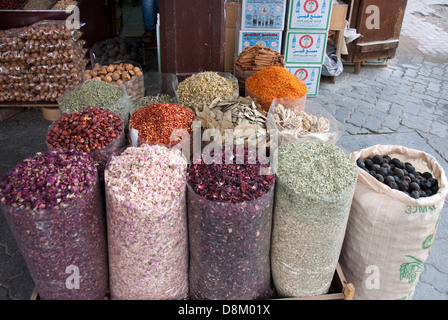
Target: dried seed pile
{"x":229,"y":217}
{"x":146,"y":220}
{"x":314,"y":191}
{"x":63,"y":4}
{"x":242,"y":115}
{"x":156,"y":122}
{"x":112,"y":50}
{"x":11,"y":4}
{"x":204,"y":87}
{"x":54,"y":208}
{"x":38,"y":5}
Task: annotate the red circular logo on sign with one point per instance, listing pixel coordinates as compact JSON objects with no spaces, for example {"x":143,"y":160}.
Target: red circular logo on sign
{"x":311,"y":6}
{"x":306,"y":41}
{"x":301,"y":74}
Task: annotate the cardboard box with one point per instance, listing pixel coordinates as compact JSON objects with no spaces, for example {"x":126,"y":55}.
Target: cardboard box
{"x":338,"y":16}
{"x":308,"y":74}
{"x":268,"y":38}
{"x":305,"y":47}
{"x":309,"y":14}
{"x":262,"y":14}
{"x":231,"y":14}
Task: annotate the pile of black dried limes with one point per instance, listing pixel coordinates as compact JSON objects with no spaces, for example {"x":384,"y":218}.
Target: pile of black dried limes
{"x":400,"y":175}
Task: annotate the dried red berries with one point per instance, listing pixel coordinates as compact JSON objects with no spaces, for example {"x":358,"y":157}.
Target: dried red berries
{"x":87,"y":130}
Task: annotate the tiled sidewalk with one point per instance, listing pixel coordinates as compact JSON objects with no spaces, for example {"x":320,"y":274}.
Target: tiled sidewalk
{"x":404,"y":103}
{"x":422,"y":30}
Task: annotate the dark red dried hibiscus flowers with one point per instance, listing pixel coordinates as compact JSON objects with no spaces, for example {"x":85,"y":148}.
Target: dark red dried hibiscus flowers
{"x":231,"y":181}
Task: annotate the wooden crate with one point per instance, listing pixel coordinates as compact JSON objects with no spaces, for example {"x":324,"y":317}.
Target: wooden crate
{"x":340,"y":289}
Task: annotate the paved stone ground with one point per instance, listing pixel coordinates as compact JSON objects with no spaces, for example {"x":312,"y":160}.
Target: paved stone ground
{"x":405,"y":103}
{"x":402,"y":103}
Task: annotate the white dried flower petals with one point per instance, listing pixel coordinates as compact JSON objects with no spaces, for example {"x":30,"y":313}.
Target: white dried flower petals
{"x":146,"y":219}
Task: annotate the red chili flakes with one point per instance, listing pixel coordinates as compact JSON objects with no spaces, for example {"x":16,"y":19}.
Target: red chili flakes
{"x":157,"y":121}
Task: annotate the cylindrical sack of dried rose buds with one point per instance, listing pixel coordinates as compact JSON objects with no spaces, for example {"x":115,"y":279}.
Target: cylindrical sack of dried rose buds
{"x":54,"y":208}
{"x":230,"y":218}
{"x":147,"y":224}
{"x":96,"y":131}
{"x":314,"y":191}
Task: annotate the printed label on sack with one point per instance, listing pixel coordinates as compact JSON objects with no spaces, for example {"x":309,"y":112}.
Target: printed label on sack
{"x":410,"y":270}
{"x":421,"y":209}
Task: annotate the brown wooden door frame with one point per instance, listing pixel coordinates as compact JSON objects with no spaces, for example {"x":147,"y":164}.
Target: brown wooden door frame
{"x":192,"y":36}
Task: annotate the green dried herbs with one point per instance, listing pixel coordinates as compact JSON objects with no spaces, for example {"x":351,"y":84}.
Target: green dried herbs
{"x":160,"y":98}
{"x":315,"y":168}
{"x":314,"y":191}
{"x":94,"y":93}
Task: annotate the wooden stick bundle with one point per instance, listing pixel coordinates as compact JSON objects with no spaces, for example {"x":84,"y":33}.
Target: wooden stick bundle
{"x":257,"y":57}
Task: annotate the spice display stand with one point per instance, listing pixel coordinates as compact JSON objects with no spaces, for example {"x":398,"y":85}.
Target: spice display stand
{"x":340,"y":290}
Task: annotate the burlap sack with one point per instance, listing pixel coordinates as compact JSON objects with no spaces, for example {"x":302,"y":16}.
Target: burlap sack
{"x":389,"y":234}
